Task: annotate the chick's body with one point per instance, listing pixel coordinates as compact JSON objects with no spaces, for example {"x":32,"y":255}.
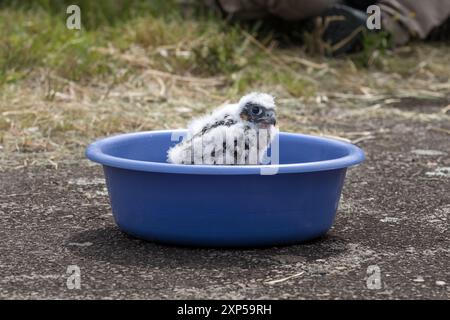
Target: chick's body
{"x":233,"y":134}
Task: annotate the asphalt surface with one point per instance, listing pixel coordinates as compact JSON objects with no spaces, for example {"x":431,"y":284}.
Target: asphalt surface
{"x":390,"y":239}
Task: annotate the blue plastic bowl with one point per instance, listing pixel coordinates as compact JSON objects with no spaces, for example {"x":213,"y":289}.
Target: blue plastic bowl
{"x":214,"y":205}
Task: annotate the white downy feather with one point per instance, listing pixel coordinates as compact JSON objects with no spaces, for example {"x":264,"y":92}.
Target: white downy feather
{"x":208,"y":147}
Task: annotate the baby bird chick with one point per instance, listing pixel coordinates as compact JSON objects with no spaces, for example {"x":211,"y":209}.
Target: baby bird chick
{"x":233,"y":134}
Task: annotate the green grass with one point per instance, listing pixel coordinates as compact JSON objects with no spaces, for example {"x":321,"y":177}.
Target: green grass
{"x":374,"y":48}
{"x":34,"y":37}
{"x":96,"y":14}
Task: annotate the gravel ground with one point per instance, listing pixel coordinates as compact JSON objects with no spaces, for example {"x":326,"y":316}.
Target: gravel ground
{"x":392,"y":221}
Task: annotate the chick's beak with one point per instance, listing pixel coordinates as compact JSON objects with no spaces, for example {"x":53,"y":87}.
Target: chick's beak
{"x":269,"y":120}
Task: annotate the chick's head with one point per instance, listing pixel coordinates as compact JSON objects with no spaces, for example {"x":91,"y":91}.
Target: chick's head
{"x":258,"y":109}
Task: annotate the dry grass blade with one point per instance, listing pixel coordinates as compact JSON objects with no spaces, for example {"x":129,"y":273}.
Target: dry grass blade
{"x":278,"y":59}
{"x":146,"y":63}
{"x":271,"y":282}
{"x":442,"y":130}
{"x":214,"y":81}
{"x":361,"y":139}
{"x":305,"y":62}
{"x":445,"y":109}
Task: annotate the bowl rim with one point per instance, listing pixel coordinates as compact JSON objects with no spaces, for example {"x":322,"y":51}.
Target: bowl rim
{"x":95,"y":153}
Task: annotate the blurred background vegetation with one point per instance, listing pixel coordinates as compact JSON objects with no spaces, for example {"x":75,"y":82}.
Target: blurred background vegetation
{"x":186,"y":39}
{"x":153,"y":64}
{"x":34,"y":35}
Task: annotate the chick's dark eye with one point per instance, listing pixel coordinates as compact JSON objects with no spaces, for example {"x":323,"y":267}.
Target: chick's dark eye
{"x":256,"y":110}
